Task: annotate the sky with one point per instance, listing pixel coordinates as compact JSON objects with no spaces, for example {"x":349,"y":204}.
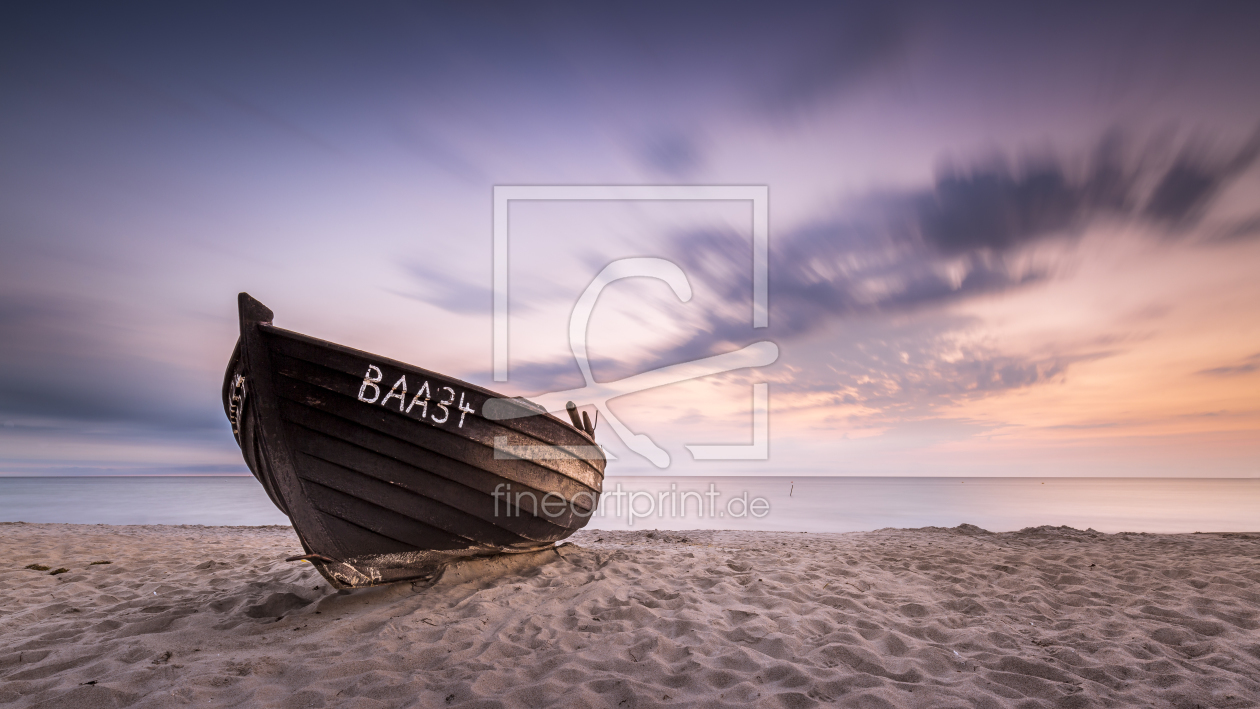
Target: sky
{"x":1003,"y":240}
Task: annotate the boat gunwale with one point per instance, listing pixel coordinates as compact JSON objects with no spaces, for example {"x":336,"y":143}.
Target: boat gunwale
{"x":343,"y":349}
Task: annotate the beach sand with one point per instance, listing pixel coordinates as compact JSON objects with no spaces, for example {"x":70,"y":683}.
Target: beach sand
{"x":213,"y":616}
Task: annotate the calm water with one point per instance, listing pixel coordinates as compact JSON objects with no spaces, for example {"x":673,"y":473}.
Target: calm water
{"x":802,"y":504}
{"x":846,"y":504}
{"x":237,"y":500}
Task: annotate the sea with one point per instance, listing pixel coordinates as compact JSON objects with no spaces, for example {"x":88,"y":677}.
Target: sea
{"x":802,"y":504}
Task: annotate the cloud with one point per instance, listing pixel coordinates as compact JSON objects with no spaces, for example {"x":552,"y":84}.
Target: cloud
{"x":442,"y":154}
{"x":1247,"y":366}
{"x":892,"y":257}
{"x":958,"y":238}
{"x":994,"y":207}
{"x":1238,"y":230}
{"x":874,"y":369}
{"x":827,"y":273}
{"x":828,"y":52}
{"x":447,"y":292}
{"x":63,"y":362}
{"x":562,"y":375}
{"x":997,"y":208}
{"x":671,"y":153}
{"x":1194,"y":179}
{"x":893,"y":369}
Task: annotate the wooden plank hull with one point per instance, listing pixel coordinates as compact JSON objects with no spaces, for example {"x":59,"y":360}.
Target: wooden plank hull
{"x":389,"y":472}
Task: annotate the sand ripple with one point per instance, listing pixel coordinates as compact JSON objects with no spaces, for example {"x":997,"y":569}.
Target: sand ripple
{"x":212,"y":616}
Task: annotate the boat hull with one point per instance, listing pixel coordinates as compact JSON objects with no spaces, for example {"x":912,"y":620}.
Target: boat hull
{"x":389,"y":472}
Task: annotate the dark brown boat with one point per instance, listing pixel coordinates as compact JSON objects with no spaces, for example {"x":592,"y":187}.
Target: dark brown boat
{"x":389,"y":472}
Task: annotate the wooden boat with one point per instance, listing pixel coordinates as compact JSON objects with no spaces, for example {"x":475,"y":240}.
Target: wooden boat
{"x":389,"y":472}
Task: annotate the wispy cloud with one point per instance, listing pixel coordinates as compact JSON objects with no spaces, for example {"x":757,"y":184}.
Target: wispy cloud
{"x":829,"y":52}
{"x":1194,"y":179}
{"x":672,"y":153}
{"x":447,"y":292}
{"x":868,"y":276}
{"x":1247,"y":366}
{"x":915,"y":367}
{"x":957,"y":239}
{"x":63,"y":363}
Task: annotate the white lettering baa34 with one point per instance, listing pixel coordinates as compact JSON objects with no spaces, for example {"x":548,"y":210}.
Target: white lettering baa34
{"x":373,"y":378}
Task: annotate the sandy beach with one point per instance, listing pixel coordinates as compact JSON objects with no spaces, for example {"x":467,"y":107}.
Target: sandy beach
{"x":214,"y":616}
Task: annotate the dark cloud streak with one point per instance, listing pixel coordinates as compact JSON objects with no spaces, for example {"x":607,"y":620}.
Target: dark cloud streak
{"x":902,"y":253}
{"x":1194,"y":179}
{"x":61,"y":363}
{"x":957,"y":239}
{"x":1247,"y":366}
{"x":447,"y":292}
{"x":831,"y":52}
{"x":998,"y":209}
